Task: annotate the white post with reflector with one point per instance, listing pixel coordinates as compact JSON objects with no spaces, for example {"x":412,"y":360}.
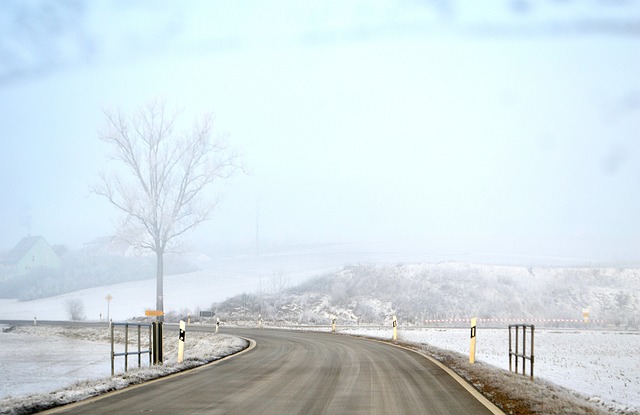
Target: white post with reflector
{"x":585,"y":315}
{"x":395,"y":328}
{"x":181,"y":337}
{"x":472,"y":347}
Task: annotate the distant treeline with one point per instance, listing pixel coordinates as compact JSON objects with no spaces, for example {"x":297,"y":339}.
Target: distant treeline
{"x":79,"y":270}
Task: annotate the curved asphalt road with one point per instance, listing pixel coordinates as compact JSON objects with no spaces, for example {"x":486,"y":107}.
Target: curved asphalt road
{"x":299,"y":373}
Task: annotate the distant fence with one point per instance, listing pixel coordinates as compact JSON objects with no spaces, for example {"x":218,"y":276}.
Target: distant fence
{"x":540,"y":321}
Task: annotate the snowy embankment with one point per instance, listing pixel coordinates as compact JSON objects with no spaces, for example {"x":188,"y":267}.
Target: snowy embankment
{"x":85,"y":374}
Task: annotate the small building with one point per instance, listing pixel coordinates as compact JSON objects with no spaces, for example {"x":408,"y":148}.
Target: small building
{"x":30,"y":253}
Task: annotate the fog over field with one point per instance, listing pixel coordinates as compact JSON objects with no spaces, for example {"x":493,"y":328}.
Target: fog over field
{"x":435,"y":159}
{"x":506,"y":129}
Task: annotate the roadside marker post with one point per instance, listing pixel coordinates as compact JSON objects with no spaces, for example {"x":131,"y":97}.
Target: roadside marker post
{"x":181,"y":337}
{"x":217,"y":324}
{"x":472,"y":348}
{"x":395,"y":328}
{"x":333,"y":325}
{"x":109,"y":297}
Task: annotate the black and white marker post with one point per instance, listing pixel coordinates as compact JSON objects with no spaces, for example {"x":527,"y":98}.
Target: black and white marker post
{"x":472,"y":346}
{"x":181,"y":337}
{"x":395,"y":328}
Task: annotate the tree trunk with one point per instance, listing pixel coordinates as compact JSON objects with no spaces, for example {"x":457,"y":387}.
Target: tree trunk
{"x":159,"y":282}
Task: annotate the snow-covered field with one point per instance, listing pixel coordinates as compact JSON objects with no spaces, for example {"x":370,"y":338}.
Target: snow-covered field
{"x":218,"y":279}
{"x":42,"y":366}
{"x":600,"y":364}
{"x":51,"y":362}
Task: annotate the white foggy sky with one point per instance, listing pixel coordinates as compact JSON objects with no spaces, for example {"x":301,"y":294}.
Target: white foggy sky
{"x":405,"y":124}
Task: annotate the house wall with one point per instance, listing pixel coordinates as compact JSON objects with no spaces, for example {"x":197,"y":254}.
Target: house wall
{"x":40,"y":255}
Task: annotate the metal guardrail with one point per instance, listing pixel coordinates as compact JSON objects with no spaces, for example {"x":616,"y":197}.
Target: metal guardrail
{"x":126,"y":352}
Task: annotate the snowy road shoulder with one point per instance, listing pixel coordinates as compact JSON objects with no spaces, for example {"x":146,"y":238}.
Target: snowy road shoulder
{"x":201,"y":348}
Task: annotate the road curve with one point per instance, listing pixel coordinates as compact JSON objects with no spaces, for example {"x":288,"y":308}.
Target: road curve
{"x":299,"y":373}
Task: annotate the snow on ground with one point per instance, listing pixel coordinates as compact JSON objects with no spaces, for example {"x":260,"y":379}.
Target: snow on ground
{"x":50,"y":362}
{"x":57,"y":376}
{"x":218,"y":280}
{"x":599,"y":364}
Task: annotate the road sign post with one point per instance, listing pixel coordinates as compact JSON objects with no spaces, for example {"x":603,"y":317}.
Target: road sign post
{"x":157,"y":335}
{"x":157,"y":342}
{"x":205,"y":314}
{"x":108,"y":298}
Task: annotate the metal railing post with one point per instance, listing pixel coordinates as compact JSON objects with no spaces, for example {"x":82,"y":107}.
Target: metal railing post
{"x":516,"y":355}
{"x":532,"y":358}
{"x":112,"y":350}
{"x":524,"y":349}
{"x":139,"y":357}
{"x":510,"y":350}
{"x":126,"y":346}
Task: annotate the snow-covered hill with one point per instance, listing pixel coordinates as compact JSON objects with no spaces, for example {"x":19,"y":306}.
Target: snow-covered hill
{"x":451,"y":290}
{"x":309,"y":286}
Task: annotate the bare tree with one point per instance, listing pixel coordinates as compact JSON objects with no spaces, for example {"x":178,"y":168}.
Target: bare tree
{"x":279,"y":282}
{"x":74,"y":308}
{"x":162,"y":196}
